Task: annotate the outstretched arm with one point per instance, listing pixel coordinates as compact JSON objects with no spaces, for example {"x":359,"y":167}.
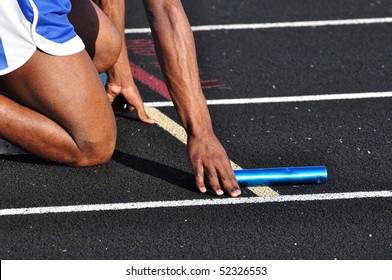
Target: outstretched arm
{"x":120,"y":79}
{"x":176,"y":52}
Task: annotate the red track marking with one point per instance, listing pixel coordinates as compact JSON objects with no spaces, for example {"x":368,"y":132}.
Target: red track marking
{"x":145,"y":47}
{"x":205,"y":84}
{"x":149,"y":80}
{"x":142,"y":47}
{"x":220,"y":86}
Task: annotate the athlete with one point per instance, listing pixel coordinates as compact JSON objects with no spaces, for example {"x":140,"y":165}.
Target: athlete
{"x":56,"y":107}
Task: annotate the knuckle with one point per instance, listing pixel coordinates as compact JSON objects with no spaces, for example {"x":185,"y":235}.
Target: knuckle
{"x":199,"y":174}
{"x":227,"y":177}
{"x":195,"y":160}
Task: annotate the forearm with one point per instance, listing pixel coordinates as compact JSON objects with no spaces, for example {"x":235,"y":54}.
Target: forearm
{"x":176,"y":52}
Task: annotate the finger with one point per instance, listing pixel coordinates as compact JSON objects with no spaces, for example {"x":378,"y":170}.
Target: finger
{"x":214,"y":180}
{"x":112,"y":91}
{"x":141,"y":111}
{"x":199,"y":176}
{"x":130,"y":108}
{"x":228,"y":180}
{"x":110,"y":97}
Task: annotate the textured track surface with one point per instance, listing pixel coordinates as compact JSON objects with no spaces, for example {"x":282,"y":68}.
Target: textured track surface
{"x":351,"y":137}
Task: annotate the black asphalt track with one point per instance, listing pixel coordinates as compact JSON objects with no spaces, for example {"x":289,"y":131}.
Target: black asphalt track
{"x":207,"y":12}
{"x":297,"y":61}
{"x":351,"y":137}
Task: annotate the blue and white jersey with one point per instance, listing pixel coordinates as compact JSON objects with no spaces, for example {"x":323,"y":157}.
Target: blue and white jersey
{"x":26,"y":25}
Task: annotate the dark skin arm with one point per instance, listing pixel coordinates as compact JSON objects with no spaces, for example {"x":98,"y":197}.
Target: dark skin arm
{"x":176,"y":53}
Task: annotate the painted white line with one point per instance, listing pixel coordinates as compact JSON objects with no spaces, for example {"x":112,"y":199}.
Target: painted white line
{"x":195,"y":202}
{"x":137,"y":30}
{"x":283,"y":99}
{"x":294,"y":24}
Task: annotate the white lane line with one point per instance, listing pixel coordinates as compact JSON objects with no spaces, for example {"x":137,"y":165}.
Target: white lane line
{"x":195,"y":202}
{"x":245,"y":26}
{"x":283,"y":99}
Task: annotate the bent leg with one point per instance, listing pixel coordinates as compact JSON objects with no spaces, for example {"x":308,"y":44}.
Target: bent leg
{"x":62,"y":112}
{"x":99,"y":34}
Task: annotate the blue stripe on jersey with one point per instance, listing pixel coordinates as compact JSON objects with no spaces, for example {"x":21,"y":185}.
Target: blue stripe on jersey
{"x":53,"y":23}
{"x":3,"y":59}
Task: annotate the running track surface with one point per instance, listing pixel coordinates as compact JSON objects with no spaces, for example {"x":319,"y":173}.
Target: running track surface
{"x":331,"y":102}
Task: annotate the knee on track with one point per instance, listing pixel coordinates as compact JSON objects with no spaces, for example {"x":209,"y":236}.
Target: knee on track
{"x":93,"y":153}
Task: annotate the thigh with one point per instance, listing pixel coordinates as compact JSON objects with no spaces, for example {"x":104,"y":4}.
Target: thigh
{"x":66,"y":89}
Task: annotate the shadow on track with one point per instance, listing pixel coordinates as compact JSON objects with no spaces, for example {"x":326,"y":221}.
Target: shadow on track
{"x":169,"y":174}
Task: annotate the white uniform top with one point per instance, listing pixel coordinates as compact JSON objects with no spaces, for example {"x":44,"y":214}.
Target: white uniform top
{"x":26,"y":25}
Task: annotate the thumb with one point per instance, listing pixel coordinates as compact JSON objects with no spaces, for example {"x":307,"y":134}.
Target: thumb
{"x":138,"y":105}
{"x":141,"y":113}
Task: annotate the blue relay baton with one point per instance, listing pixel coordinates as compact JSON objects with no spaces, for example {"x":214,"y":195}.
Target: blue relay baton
{"x":281,"y":176}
